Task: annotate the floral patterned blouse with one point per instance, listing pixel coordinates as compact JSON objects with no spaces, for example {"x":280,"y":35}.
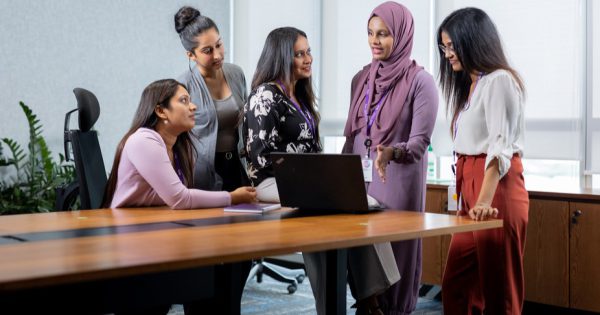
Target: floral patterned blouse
{"x":273,"y":124}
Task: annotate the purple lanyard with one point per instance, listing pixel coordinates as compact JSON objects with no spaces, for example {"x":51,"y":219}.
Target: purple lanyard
{"x":371,"y":119}
{"x":307,"y":116}
{"x":178,"y":167}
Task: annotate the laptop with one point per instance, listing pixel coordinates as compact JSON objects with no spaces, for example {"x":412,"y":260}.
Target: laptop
{"x":321,"y":182}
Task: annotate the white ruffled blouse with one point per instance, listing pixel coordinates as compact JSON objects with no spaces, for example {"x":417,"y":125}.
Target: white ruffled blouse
{"x":493,"y":121}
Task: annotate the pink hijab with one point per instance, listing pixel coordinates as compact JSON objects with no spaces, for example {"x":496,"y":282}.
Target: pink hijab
{"x":392,"y":77}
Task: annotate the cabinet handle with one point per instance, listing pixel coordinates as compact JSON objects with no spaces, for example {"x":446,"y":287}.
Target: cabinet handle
{"x":576,"y":214}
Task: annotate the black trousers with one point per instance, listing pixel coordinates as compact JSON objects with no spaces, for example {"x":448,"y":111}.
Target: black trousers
{"x":229,"y":287}
{"x":229,"y":166}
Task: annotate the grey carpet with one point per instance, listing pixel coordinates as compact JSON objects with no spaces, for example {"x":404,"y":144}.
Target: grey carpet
{"x":271,"y":298}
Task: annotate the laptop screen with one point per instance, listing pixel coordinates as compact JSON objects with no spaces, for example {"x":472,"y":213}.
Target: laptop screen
{"x":327,"y":182}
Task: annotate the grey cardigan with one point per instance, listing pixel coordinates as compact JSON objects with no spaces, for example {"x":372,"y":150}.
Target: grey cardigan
{"x":205,"y":130}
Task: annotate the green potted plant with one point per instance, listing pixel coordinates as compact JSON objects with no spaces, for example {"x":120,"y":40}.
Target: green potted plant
{"x":32,"y":179}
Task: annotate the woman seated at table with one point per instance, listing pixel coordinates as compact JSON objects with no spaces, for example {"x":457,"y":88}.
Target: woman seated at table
{"x":154,"y":162}
{"x":154,"y":166}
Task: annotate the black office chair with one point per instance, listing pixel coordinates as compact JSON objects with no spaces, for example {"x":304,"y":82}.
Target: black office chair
{"x":89,"y":165}
{"x":288,"y":269}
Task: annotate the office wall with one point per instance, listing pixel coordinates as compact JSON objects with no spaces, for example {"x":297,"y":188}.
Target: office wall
{"x":253,"y":20}
{"x":113,"y":48}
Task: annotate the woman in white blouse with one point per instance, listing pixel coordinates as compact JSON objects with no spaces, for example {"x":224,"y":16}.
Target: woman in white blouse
{"x":485,"y":98}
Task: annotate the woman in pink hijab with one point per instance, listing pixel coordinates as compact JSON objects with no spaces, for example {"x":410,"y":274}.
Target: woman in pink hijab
{"x":392,"y":115}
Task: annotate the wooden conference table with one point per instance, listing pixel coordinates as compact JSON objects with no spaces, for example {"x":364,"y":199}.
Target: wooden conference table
{"x":98,"y":261}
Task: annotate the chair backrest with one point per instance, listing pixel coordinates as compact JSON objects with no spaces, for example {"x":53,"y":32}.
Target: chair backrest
{"x":89,"y":165}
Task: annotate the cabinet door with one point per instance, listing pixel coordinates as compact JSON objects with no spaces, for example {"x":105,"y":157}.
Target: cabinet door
{"x":585,"y":257}
{"x":547,"y":253}
{"x":432,"y":266}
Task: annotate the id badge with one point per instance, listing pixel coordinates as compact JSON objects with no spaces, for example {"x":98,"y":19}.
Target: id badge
{"x":367,"y":167}
{"x":452,"y":198}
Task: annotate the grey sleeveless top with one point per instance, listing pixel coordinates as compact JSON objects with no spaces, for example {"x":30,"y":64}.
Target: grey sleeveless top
{"x":228,"y":117}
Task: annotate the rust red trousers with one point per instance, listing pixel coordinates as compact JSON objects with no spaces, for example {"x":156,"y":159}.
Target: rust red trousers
{"x":484,"y":270}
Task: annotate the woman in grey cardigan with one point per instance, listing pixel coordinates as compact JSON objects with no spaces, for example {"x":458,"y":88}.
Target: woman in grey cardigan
{"x":219,"y":91}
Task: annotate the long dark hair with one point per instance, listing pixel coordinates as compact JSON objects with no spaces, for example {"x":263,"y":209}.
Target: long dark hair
{"x":189,"y":23}
{"x":158,"y":93}
{"x":478,"y":47}
{"x":276,"y":62}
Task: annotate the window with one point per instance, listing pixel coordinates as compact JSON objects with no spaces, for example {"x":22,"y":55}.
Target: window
{"x":592,"y":165}
{"x":550,"y":42}
{"x":553,"y":78}
{"x":253,"y":20}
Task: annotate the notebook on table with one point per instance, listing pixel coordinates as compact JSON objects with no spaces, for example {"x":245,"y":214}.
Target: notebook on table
{"x":252,"y":207}
{"x":321,"y":182}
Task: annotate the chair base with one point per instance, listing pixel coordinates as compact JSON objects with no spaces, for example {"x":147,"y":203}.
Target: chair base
{"x":291,"y":276}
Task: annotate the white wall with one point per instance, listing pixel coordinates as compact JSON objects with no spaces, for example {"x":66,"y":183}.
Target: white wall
{"x":253,"y":20}
{"x":113,"y":48}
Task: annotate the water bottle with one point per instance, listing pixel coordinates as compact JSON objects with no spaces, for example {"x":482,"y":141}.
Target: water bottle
{"x":431,"y":164}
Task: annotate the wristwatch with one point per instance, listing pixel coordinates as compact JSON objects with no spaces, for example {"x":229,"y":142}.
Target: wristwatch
{"x":396,"y":153}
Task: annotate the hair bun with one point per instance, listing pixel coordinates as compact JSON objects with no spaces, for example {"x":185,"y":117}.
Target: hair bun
{"x":184,"y":17}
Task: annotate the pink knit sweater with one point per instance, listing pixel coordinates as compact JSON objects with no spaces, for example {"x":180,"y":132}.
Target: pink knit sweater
{"x":146,"y":177}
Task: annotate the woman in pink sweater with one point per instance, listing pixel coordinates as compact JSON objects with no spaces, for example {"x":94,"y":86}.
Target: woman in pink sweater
{"x":154,"y":162}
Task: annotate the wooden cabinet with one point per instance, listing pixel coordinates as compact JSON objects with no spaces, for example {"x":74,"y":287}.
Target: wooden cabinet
{"x":434,"y":250}
{"x":432,"y":246}
{"x":562,"y":248}
{"x":547,"y":253}
{"x":562,"y":254}
{"x":585,"y":256}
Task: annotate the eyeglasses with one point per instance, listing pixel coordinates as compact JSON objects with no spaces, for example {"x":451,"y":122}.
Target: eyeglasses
{"x":446,"y":50}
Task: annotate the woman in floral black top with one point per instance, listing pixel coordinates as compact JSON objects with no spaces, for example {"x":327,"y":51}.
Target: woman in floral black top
{"x":280,"y":115}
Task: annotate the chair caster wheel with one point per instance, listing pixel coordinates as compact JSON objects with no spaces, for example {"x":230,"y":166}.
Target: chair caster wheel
{"x":300,"y":278}
{"x":292,"y":288}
